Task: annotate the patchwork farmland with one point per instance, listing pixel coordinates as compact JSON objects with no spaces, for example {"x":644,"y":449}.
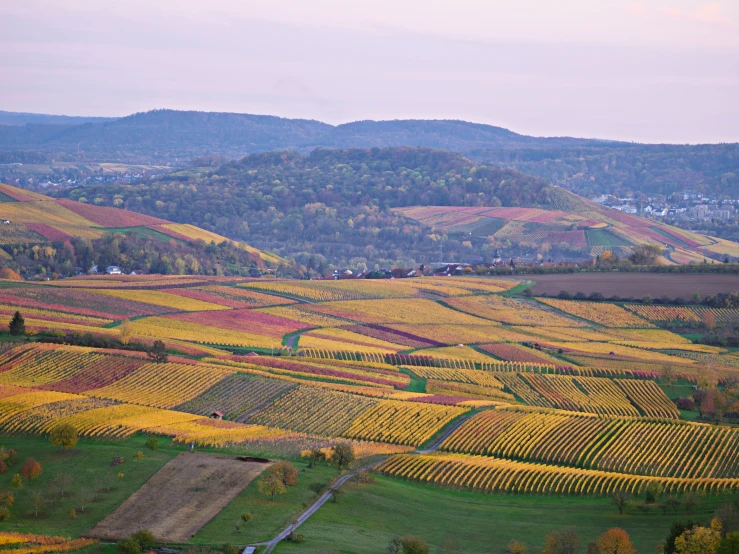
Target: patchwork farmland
{"x":513,"y":394}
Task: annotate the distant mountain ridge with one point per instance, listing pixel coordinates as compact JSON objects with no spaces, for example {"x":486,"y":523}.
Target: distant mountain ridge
{"x":163,"y":134}
{"x":588,"y":167}
{"x":23,"y":118}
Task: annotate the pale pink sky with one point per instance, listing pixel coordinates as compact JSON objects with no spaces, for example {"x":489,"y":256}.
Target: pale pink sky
{"x":650,"y":71}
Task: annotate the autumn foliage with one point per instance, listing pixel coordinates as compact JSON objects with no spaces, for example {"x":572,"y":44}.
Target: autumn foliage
{"x":31,"y":469}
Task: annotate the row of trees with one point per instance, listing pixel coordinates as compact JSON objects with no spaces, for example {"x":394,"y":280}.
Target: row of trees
{"x":684,"y":538}
{"x":613,"y":541}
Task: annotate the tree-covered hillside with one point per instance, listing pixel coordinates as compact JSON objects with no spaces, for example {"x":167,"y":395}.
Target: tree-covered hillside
{"x":335,"y":204}
{"x":585,"y":166}
{"x":623,"y":170}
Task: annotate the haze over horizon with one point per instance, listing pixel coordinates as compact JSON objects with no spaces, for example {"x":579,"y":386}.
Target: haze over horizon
{"x":649,"y":71}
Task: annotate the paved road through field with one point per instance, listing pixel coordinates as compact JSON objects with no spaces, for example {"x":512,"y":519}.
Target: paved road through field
{"x":313,"y":508}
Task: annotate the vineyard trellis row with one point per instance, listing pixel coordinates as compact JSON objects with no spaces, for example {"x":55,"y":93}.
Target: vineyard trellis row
{"x":657,"y":448}
{"x":484,"y":474}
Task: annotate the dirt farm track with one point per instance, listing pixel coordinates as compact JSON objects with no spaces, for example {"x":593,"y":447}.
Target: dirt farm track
{"x":636,"y":285}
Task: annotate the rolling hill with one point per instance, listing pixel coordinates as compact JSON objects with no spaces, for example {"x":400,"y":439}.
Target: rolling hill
{"x":586,"y":166}
{"x":32,"y":220}
{"x":570,"y":223}
{"x":393,"y":206}
{"x":167,"y":134}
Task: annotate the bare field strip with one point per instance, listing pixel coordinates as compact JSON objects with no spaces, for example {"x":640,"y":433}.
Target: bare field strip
{"x":180,"y":498}
{"x":636,"y":285}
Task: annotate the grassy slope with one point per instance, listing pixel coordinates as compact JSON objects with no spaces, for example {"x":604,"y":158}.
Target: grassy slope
{"x":367,"y":516}
{"x":681,"y":390}
{"x":86,"y":463}
{"x":269,"y":517}
{"x":90,"y":460}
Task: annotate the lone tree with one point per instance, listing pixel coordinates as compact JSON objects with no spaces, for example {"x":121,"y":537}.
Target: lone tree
{"x":621,"y":500}
{"x":615,"y":541}
{"x":709,"y":320}
{"x":125,"y":331}
{"x":64,"y":435}
{"x":315,"y":455}
{"x":562,"y":542}
{"x":31,"y":469}
{"x":285,"y":472}
{"x":342,"y":454}
{"x":64,"y":481}
{"x":271,"y":486}
{"x":37,"y":501}
{"x":158,"y":352}
{"x":395,"y":546}
{"x":335,"y":494}
{"x":17,"y":325}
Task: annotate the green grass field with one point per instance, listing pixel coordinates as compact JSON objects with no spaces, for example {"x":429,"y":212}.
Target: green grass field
{"x":603,"y":237}
{"x":88,"y":467}
{"x":91,"y":474}
{"x":143,"y":232}
{"x":366,"y":517}
{"x":268,"y":516}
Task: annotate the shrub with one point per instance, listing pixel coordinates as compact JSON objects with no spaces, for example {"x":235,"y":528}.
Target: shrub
{"x":685,"y":404}
{"x":128,"y":546}
{"x":296,"y":537}
{"x":152,"y":443}
{"x":143,"y":537}
{"x":414,"y":545}
{"x":4,"y":513}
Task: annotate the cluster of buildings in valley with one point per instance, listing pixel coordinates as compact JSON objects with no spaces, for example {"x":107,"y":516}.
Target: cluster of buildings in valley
{"x":686,"y":206}
{"x":46,"y":178}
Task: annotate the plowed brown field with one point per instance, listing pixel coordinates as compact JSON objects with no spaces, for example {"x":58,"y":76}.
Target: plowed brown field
{"x":180,"y":498}
{"x":636,"y":285}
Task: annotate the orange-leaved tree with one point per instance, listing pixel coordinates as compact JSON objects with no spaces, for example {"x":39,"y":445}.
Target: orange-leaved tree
{"x":615,"y":541}
{"x":31,"y":469}
{"x":285,"y":472}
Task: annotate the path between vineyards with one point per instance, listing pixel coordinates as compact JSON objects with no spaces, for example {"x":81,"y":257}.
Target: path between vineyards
{"x":313,"y":508}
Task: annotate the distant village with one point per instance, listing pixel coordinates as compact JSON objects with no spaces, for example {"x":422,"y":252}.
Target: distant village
{"x":680,"y":207}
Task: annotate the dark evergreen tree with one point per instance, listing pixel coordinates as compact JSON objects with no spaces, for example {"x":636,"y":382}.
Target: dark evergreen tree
{"x":17,"y":325}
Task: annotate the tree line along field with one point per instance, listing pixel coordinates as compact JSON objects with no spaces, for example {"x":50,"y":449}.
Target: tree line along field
{"x":548,"y":397}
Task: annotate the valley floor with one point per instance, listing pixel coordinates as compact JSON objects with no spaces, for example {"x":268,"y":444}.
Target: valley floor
{"x":366,"y":517}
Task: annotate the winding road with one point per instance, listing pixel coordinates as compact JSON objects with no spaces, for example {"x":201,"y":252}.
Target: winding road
{"x":313,"y":508}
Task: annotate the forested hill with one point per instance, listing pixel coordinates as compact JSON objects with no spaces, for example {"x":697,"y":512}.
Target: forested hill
{"x":585,"y":166}
{"x":168,"y":135}
{"x":41,"y":235}
{"x":334,"y":204}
